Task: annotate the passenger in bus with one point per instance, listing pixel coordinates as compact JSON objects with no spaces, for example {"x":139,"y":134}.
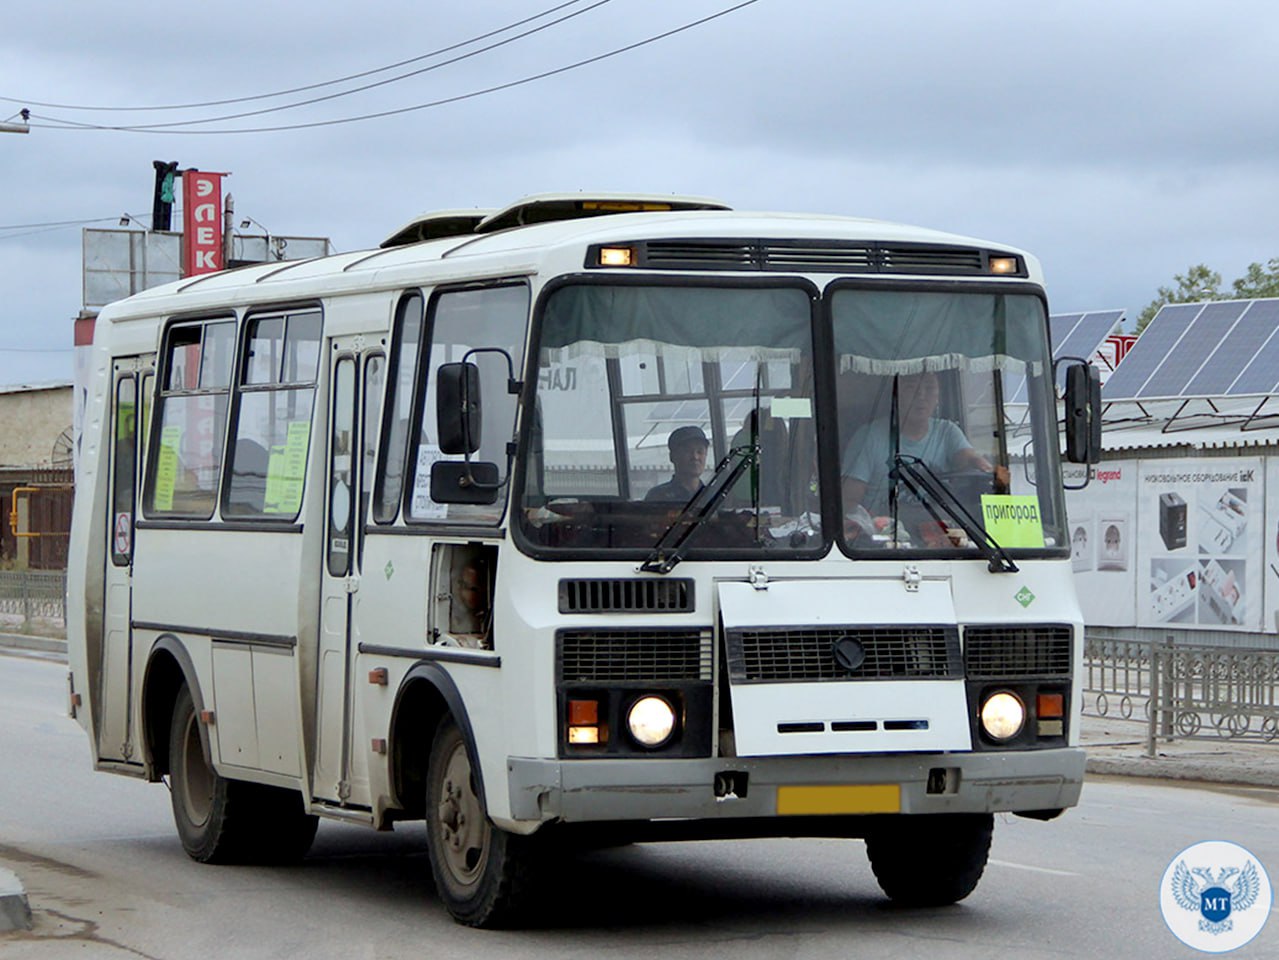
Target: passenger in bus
{"x":687,"y":447}
{"x":939,"y":443}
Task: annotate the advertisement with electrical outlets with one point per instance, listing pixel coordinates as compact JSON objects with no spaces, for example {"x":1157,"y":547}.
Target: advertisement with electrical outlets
{"x":1199,"y":544}
{"x":1103,"y":530}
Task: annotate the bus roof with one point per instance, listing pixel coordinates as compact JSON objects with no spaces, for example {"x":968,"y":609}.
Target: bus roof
{"x":528,"y":249}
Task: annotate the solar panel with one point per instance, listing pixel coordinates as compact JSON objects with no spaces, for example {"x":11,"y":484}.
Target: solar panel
{"x":1261,"y":376}
{"x":1206,"y":333}
{"x":1154,"y":344}
{"x":1083,"y":341}
{"x":1236,"y":351}
{"x":1060,"y":326}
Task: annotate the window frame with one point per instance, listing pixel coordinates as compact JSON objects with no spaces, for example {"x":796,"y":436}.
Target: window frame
{"x":159,"y":398}
{"x":421,"y":385}
{"x":240,"y":386}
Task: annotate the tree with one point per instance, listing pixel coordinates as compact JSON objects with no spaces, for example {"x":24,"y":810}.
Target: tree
{"x":1259,"y":281}
{"x":1199,"y":283}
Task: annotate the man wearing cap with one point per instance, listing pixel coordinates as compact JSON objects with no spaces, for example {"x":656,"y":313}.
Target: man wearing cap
{"x":687,"y":446}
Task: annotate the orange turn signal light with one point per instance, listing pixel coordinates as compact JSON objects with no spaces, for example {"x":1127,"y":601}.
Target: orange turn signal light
{"x":1050,"y":706}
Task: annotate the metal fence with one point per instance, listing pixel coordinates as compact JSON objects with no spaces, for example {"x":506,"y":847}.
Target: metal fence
{"x":1184,"y":692}
{"x":33,"y":600}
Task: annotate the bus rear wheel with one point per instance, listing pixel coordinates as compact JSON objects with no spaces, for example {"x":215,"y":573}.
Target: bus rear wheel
{"x":930,"y":860}
{"x":482,"y":873}
{"x":229,"y":821}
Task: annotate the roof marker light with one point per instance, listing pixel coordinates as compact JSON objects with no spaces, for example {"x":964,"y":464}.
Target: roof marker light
{"x":617,"y":256}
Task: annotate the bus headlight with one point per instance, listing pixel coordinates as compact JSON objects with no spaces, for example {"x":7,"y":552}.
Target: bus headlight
{"x":651,"y":721}
{"x":1003,"y":715}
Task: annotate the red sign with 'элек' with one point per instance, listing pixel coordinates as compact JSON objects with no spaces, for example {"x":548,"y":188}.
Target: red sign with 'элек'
{"x":201,"y":222}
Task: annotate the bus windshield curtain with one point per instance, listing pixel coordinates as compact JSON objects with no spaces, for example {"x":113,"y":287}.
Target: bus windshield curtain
{"x":723,"y":324}
{"x":887,"y":332}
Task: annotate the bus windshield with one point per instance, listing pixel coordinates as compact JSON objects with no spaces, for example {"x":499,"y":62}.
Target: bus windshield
{"x":644,"y":389}
{"x":947,"y":428}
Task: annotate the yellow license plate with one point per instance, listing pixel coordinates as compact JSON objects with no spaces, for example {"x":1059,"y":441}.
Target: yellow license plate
{"x":862,"y":798}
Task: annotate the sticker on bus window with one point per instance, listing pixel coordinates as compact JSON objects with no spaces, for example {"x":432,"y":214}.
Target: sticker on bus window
{"x":423,"y":507}
{"x":286,"y":470}
{"x":166,"y":467}
{"x":1012,"y":520}
{"x":791,"y":408}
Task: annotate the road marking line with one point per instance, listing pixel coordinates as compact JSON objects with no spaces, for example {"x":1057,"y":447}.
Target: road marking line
{"x":1026,"y":866}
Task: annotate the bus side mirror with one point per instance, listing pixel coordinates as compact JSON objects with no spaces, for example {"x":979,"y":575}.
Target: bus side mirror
{"x":458,"y":416}
{"x":1083,"y":413}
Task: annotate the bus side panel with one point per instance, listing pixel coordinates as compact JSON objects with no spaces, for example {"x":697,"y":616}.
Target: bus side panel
{"x":87,"y":549}
{"x":239,"y":589}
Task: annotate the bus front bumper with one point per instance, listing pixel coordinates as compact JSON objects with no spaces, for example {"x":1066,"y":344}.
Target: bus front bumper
{"x":583,"y":791}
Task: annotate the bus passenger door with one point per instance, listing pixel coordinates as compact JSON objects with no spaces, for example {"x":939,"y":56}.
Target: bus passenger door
{"x":341,"y":774}
{"x":116,"y":691}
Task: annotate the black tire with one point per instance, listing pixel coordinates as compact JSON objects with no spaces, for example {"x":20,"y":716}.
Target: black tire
{"x":229,"y":821}
{"x":484,"y":875}
{"x":930,"y":860}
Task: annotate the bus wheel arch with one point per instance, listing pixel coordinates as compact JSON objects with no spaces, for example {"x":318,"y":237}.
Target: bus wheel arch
{"x":169,"y":669}
{"x":427,"y":697}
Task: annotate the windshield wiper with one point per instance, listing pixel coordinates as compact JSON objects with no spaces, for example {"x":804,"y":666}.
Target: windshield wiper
{"x":929,"y":489}
{"x":669,"y":549}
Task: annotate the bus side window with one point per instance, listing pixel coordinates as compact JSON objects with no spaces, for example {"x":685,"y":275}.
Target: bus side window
{"x":272,"y":431}
{"x":191,"y":404}
{"x":401,"y":374}
{"x":124,"y":469}
{"x":460,"y":321}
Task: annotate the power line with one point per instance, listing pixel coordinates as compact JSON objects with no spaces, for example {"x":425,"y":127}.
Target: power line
{"x":55,"y":223}
{"x":56,"y":123}
{"x":161,"y":127}
{"x":302,"y":89}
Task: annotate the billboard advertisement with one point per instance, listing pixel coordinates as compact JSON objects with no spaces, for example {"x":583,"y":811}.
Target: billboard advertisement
{"x":1199,"y":550}
{"x":1102,"y":525}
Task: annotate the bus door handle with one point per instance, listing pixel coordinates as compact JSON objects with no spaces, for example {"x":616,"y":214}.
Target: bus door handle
{"x":353,"y":584}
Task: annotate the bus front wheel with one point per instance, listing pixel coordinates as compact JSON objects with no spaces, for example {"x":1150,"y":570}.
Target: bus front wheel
{"x":930,"y":860}
{"x":482,"y":873}
{"x":229,"y":821}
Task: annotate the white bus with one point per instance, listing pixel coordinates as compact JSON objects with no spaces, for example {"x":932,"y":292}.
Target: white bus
{"x":595,"y":519}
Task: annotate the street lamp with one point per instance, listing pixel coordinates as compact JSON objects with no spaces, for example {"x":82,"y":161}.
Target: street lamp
{"x":278,"y":244}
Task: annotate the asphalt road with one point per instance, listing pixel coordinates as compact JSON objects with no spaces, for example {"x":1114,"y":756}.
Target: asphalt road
{"x":106,"y":878}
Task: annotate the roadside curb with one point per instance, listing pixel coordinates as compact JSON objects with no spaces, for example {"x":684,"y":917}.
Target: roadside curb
{"x":15,"y":911}
{"x":21,"y":641}
{"x":1172,"y":768}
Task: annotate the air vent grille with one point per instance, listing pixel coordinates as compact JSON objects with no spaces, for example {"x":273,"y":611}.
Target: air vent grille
{"x":814,"y":256}
{"x":802,"y":655}
{"x":626,"y":656}
{"x":1014,"y":652}
{"x":626,"y":596}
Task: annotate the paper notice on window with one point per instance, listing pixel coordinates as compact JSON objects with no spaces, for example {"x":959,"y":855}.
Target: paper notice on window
{"x":1012,"y":520}
{"x":166,"y":467}
{"x":286,"y":471}
{"x":422,"y":506}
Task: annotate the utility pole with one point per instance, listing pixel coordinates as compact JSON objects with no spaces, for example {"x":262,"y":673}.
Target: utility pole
{"x":9,"y":126}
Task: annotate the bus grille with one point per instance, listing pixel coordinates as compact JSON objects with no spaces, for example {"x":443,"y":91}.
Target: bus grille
{"x":1008,"y":652}
{"x":800,"y":655}
{"x":626,"y":596}
{"x":817,"y":256}
{"x":624,"y":656}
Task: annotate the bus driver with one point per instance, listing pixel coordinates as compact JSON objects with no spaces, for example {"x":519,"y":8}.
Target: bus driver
{"x":687,"y":447}
{"x":939,"y":443}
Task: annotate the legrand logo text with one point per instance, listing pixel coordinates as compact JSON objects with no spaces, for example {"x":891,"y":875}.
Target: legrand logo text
{"x":1105,"y":476}
{"x":1020,"y":512}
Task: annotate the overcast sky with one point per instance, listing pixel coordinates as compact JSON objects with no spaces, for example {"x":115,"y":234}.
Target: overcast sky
{"x":1120,"y":142}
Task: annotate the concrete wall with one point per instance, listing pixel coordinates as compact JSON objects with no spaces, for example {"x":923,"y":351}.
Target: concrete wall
{"x":30,"y":421}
